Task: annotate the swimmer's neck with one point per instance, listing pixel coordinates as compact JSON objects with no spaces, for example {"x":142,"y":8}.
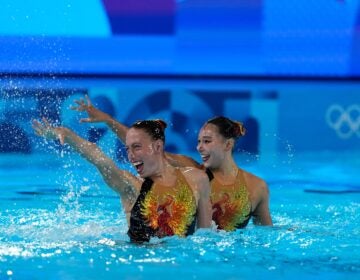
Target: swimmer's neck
{"x":165,"y":173}
{"x":227,"y":169}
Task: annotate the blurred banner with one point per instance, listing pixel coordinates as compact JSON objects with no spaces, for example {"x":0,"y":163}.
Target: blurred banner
{"x":279,"y":118}
{"x":219,"y":37}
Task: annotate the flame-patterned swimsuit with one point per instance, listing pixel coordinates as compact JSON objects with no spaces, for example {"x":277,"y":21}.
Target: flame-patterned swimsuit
{"x":163,"y":213}
{"x":230,"y":203}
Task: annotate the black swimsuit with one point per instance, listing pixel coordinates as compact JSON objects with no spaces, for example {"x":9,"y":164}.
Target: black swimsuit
{"x":139,"y":231}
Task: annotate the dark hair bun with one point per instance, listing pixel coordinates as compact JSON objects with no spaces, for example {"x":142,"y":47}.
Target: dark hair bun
{"x":161,"y":123}
{"x":239,"y":129}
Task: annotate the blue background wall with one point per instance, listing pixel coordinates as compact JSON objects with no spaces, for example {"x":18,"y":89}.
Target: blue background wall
{"x":288,"y":69}
{"x":242,"y":37}
{"x":297,"y":116}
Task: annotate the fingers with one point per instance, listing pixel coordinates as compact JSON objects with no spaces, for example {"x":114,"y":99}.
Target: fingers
{"x":46,"y":123}
{"x":61,"y":138}
{"x":36,"y":126}
{"x":39,"y":127}
{"x":82,"y":105}
{"x":45,"y":129}
{"x":42,"y":126}
{"x":88,"y":100}
{"x":35,"y":123}
{"x":76,"y":108}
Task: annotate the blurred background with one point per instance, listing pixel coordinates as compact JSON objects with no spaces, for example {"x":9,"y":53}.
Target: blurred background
{"x":288,"y":69}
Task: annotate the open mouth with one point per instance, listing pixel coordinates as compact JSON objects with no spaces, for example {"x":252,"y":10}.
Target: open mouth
{"x":139,"y":165}
{"x":205,"y":158}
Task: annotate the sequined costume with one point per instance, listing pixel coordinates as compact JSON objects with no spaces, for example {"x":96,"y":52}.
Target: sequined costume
{"x":163,"y":214}
{"x":230,"y":203}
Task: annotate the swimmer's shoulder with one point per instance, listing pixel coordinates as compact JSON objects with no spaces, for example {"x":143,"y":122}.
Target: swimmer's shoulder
{"x":194,"y":175}
{"x":255,"y":183}
{"x":179,"y":160}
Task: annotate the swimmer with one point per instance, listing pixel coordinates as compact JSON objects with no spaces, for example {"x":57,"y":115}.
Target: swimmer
{"x":248,"y":194}
{"x":183,"y":194}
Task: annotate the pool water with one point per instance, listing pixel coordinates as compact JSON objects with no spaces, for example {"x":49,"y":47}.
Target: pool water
{"x":60,"y":221}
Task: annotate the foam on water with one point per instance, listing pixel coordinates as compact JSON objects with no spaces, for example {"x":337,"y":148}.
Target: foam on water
{"x":59,"y":220}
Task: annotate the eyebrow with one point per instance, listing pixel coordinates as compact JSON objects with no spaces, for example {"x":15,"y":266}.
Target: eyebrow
{"x":132,"y":144}
{"x":206,"y":137}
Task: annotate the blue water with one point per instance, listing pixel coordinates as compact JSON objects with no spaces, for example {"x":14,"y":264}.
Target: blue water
{"x":58,"y":220}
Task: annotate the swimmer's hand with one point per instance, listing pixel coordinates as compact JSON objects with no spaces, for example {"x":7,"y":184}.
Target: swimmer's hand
{"x":94,"y":114}
{"x":46,"y":130}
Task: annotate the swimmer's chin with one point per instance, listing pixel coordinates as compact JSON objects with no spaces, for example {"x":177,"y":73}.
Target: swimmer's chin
{"x":206,"y":164}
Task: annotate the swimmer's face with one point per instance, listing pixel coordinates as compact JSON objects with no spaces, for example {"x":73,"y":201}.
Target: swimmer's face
{"x":142,"y":151}
{"x":211,"y":146}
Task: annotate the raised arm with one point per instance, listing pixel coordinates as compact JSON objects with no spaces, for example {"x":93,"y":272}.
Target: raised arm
{"x":121,"y":181}
{"x":178,"y":160}
{"x":96,"y":115}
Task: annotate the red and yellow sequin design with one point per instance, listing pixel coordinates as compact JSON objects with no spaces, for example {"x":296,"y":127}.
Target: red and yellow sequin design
{"x":170,"y":213}
{"x":230,"y":203}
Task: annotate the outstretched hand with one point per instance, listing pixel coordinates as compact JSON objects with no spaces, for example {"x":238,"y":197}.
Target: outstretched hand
{"x":46,"y":130}
{"x":94,"y":114}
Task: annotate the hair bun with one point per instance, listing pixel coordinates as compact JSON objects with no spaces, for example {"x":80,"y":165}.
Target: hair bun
{"x":239,"y":129}
{"x":161,"y":123}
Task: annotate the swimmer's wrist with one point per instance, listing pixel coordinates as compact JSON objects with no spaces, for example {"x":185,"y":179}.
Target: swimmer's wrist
{"x":108,"y":120}
{"x":68,"y":134}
